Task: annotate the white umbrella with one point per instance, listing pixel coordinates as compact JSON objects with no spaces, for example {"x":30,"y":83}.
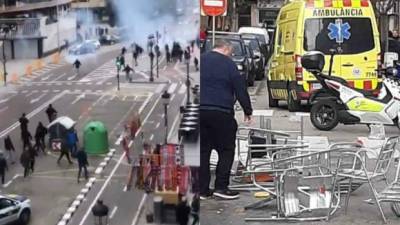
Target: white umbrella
{"x":65,"y":121}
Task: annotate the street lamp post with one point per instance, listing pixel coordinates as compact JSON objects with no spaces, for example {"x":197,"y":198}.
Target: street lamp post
{"x":5,"y":30}
{"x":151,"y":55}
{"x":157,"y":50}
{"x":166,"y":98}
{"x":118,"y":64}
{"x":187,"y":61}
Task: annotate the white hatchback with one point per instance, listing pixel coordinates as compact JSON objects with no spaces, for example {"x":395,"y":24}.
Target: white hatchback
{"x":14,"y":208}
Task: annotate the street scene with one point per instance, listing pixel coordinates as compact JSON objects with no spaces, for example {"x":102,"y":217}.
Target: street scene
{"x":99,"y":106}
{"x":299,"y":121}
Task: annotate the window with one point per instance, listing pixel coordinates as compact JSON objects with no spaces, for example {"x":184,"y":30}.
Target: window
{"x":253,"y":44}
{"x":5,"y":203}
{"x":360,"y":38}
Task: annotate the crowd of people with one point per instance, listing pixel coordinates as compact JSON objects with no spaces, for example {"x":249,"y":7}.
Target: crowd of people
{"x":33,"y":145}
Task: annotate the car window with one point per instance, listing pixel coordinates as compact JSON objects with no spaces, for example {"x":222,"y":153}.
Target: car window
{"x":351,"y":35}
{"x":5,"y":203}
{"x":252,"y":43}
{"x":237,"y":47}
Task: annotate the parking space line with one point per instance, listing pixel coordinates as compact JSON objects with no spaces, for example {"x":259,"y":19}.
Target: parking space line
{"x":113,"y":212}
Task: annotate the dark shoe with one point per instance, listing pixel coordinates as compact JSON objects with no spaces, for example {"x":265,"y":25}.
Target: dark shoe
{"x":207,"y":195}
{"x":226,"y":194}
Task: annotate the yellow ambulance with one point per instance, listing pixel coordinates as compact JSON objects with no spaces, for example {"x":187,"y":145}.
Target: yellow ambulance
{"x":347,"y":26}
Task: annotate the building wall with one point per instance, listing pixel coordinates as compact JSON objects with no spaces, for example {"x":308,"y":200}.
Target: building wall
{"x":67,"y":31}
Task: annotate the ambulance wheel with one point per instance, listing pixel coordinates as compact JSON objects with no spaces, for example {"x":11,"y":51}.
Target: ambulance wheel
{"x":293,"y":105}
{"x":324,"y":115}
{"x":271,"y":102}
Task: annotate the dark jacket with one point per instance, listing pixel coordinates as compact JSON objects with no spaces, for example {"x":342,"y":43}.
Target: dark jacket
{"x":41,"y":131}
{"x":8,"y":145}
{"x":24,"y":123}
{"x":3,"y":164}
{"x":26,"y":136}
{"x":81,"y":156}
{"x":25,"y":158}
{"x":222,"y":84}
{"x":50,"y":111}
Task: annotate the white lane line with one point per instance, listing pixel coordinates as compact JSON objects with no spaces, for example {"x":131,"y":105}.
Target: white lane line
{"x":160,"y":87}
{"x":140,"y":209}
{"x":24,"y":91}
{"x":71,"y":77}
{"x":60,"y":76}
{"x":158,"y":125}
{"x":113,"y":212}
{"x":6,"y":99}
{"x":175,"y":121}
{"x":37,"y":99}
{"x":172,"y":97}
{"x":31,"y":114}
{"x":143,"y":74}
{"x":172,"y":88}
{"x":46,"y":77}
{"x":10,"y":181}
{"x":182,"y":90}
{"x":116,"y":165}
{"x":3,"y":109}
{"x":78,"y":98}
{"x":151,"y":137}
{"x":29,"y":94}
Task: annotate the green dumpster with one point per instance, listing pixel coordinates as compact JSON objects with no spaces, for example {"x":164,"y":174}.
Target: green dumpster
{"x":95,"y":138}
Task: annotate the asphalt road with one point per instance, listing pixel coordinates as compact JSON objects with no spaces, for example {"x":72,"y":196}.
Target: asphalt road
{"x":90,"y":95}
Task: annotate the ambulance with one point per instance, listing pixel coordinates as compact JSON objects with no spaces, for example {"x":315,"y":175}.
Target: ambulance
{"x":346,"y":26}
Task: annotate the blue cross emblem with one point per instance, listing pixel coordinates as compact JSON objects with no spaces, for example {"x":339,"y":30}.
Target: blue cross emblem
{"x":339,"y":31}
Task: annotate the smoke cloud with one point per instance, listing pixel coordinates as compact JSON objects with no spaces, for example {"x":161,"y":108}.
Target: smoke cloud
{"x":175,"y":20}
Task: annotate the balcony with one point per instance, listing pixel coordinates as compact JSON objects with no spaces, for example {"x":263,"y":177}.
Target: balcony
{"x":89,"y":4}
{"x":29,"y":5}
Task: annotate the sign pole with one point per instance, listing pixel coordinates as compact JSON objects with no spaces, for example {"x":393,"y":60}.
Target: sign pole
{"x":213,"y":31}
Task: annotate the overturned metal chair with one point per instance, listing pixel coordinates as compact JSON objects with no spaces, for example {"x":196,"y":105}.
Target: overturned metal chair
{"x":357,"y":170}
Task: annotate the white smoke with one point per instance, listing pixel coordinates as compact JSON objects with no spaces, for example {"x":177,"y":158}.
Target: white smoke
{"x":175,"y":20}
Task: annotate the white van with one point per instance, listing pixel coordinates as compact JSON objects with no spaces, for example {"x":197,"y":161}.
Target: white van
{"x":261,"y":33}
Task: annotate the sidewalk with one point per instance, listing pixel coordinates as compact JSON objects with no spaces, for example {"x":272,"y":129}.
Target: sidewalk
{"x":19,"y":68}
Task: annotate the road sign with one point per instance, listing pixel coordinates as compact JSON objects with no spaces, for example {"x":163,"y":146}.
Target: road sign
{"x":56,"y":145}
{"x":214,"y":7}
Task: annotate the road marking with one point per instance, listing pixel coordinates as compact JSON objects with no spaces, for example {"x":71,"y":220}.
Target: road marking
{"x":37,"y":99}
{"x":143,"y":74}
{"x":46,"y":77}
{"x":151,"y":137}
{"x":78,"y":98}
{"x":140,"y":209}
{"x":55,"y":91}
{"x":182,"y":90}
{"x":10,"y":181}
{"x":113,"y":212}
{"x":124,"y":98}
{"x":172,"y":97}
{"x":72,"y":77}
{"x":172,"y":88}
{"x":165,"y":67}
{"x":31,"y":114}
{"x":23,"y":92}
{"x":158,"y":125}
{"x":116,"y":166}
{"x":175,"y":121}
{"x":160,"y":87}
{"x":3,"y":109}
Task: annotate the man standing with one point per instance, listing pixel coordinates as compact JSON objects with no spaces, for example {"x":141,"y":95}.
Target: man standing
{"x":64,"y":151}
{"x":40,"y":134}
{"x":221,"y":85}
{"x":3,"y":166}
{"x":24,"y":122}
{"x":51,"y":113}
{"x":26,"y":138}
{"x":25,"y":161}
{"x":81,"y":156}
{"x":72,"y":140}
{"x":8,"y":145}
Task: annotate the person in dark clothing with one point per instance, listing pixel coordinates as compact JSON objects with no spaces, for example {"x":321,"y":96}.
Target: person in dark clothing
{"x":196,"y":63}
{"x":168,"y":55}
{"x":195,"y":209}
{"x":81,"y":156}
{"x":8,"y":145}
{"x":127,"y":71}
{"x":3,"y":166}
{"x":23,"y":122}
{"x":77,"y":64}
{"x":100,"y":210}
{"x":25,"y":161}
{"x":135,"y":56}
{"x":221,"y":85}
{"x":40,"y":134}
{"x":72,"y":141}
{"x":123,"y":50}
{"x":51,"y":113}
{"x":394,"y":45}
{"x":26,"y":138}
{"x":182,"y":212}
{"x":64,"y":152}
{"x":32,"y":155}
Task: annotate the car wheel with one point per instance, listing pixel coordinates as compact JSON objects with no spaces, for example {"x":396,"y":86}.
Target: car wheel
{"x":271,"y":102}
{"x":24,"y":217}
{"x":293,"y":105}
{"x":324,"y":115}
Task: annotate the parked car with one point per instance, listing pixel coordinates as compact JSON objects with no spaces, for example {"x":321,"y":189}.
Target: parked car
{"x":109,"y":39}
{"x":239,"y":55}
{"x":253,"y":67}
{"x":83,"y":48}
{"x":259,"y":58}
{"x":14,"y":209}
{"x":261,"y":34}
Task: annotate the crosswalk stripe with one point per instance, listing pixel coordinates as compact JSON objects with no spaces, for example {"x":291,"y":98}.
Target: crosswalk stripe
{"x":182,"y":90}
{"x":172,"y":88}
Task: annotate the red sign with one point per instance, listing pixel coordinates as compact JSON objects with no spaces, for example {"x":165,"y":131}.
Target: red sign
{"x":214,"y":7}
